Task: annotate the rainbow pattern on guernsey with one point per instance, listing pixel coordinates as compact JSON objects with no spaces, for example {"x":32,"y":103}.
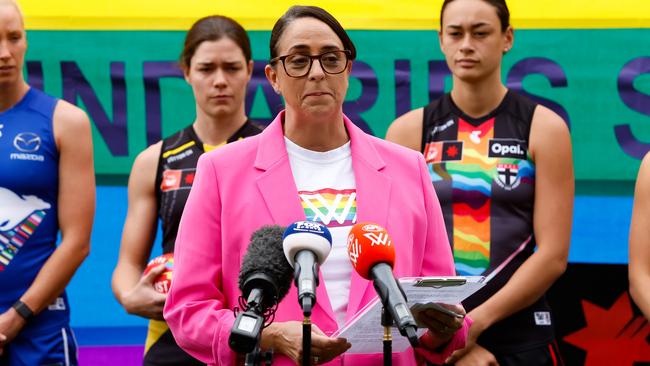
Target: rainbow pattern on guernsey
{"x":331,"y":207}
{"x":471,"y":178}
{"x":13,"y":239}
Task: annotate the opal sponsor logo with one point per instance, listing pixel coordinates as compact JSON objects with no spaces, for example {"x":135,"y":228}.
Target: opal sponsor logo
{"x":507,"y":148}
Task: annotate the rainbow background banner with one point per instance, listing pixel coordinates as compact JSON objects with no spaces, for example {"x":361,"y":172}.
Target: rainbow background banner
{"x":587,"y":60}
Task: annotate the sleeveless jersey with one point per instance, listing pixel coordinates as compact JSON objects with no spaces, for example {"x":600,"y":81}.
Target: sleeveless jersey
{"x":176,"y":167}
{"x":485,"y":180}
{"x":179,"y":155}
{"x":29,"y":174}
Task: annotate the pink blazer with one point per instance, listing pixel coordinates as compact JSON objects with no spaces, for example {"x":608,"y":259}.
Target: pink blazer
{"x":244,"y":185}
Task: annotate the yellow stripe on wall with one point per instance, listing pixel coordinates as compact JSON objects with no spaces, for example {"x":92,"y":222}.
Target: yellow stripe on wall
{"x":357,"y":14}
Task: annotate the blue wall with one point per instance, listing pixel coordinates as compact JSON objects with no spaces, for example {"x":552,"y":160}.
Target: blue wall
{"x":600,"y":234}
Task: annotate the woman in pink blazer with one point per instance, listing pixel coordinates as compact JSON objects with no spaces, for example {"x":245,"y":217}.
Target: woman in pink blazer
{"x":311,"y":163}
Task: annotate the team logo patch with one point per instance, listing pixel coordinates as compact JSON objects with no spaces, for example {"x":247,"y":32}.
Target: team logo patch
{"x":27,"y":142}
{"x":508,"y":176}
{"x":440,"y":151}
{"x":20,"y":216}
{"x":173,"y":179}
{"x":508,"y":148}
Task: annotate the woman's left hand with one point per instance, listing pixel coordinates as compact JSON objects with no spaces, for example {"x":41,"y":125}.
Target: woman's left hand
{"x":442,"y":325}
{"x":471,"y":347}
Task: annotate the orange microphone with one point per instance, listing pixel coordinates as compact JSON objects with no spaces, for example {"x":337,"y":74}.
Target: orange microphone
{"x":372,"y":254}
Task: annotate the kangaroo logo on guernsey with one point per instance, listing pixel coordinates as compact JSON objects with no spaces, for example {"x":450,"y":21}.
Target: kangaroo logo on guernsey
{"x":19,"y":218}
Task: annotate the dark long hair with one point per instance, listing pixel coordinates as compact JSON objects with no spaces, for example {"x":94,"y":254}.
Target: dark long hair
{"x":213,"y":28}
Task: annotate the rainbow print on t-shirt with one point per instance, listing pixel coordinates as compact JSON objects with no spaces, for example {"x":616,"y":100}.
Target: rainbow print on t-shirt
{"x":331,"y":207}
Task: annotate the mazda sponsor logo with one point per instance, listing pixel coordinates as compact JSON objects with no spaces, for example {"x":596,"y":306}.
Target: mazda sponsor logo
{"x":27,"y":142}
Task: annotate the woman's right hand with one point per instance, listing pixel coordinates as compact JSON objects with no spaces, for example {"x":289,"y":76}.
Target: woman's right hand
{"x":286,"y":338}
{"x":143,"y":299}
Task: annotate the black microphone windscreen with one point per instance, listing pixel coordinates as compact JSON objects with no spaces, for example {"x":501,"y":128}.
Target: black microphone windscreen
{"x":265,"y":255}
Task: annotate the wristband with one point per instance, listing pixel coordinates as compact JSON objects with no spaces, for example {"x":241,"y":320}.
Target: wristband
{"x":23,"y":310}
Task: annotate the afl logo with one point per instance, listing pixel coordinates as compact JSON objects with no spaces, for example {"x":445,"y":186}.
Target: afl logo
{"x":27,"y":142}
{"x":372,"y":228}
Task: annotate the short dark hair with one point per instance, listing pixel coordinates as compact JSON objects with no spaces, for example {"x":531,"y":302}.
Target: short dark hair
{"x":213,"y":28}
{"x":500,"y":5}
{"x":300,"y":11}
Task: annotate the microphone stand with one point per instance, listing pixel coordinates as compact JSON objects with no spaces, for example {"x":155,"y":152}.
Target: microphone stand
{"x":387,"y":322}
{"x":306,"y":341}
{"x":306,"y":331}
{"x":256,"y":357}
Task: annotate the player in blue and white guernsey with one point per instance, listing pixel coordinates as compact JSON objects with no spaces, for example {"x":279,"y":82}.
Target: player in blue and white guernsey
{"x":47,"y":187}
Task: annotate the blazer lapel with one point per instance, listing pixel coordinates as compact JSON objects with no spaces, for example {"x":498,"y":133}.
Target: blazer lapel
{"x":373,"y":198}
{"x":278,"y":189}
{"x":276,"y":183}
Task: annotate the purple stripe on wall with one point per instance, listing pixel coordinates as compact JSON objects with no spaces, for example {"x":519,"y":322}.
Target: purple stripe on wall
{"x":110,"y":355}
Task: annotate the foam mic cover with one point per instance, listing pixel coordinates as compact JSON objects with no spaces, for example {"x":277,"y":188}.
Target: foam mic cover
{"x":368,"y":245}
{"x":265,"y":267}
{"x":307,"y":235}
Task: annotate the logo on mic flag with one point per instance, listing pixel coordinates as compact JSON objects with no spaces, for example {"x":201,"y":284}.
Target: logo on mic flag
{"x":354,"y":249}
{"x":369,"y":244}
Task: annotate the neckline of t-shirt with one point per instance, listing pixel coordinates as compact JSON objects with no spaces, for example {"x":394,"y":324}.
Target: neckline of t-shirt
{"x":319,"y":157}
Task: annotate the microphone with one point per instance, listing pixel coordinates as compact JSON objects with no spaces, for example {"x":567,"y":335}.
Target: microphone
{"x":372,"y":254}
{"x":264,"y":279}
{"x":306,"y":245}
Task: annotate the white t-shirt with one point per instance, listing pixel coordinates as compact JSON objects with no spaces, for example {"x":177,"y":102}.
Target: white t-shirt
{"x":327,"y":190}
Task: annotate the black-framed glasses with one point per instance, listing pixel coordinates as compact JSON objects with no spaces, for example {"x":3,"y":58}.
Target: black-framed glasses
{"x":298,"y":65}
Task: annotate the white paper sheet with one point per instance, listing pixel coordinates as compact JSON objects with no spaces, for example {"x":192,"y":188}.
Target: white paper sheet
{"x":364,"y":330}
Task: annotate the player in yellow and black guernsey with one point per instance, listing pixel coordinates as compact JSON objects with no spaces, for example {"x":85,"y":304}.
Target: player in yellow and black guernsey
{"x":216,"y":61}
{"x":176,"y":167}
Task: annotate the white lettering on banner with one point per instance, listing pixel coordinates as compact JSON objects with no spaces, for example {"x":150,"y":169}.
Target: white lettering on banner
{"x":329,"y":208}
{"x":378,"y":239}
